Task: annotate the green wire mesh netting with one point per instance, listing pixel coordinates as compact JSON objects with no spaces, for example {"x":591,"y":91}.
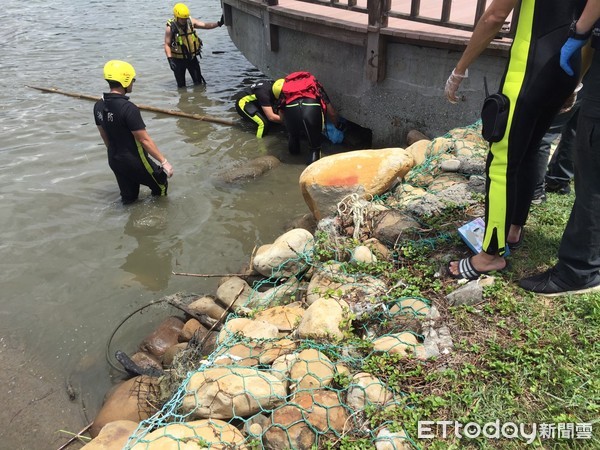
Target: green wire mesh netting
{"x":275,"y":387}
{"x":285,"y":391}
{"x":464,"y":143}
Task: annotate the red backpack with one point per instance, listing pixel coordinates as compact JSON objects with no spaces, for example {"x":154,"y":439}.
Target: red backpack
{"x":301,"y":84}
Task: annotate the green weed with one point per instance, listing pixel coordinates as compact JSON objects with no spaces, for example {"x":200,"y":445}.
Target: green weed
{"x":517,"y":357}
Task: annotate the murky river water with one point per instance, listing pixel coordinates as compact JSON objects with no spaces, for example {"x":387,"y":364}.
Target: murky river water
{"x":75,"y":262}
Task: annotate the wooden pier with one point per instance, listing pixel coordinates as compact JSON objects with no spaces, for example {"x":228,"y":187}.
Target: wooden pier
{"x":383,"y":62}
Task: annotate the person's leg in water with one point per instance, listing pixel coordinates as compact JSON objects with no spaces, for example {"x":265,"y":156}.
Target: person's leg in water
{"x":144,"y":171}
{"x":294,"y":144}
{"x":249,"y":109}
{"x":193,"y":66}
{"x":312,"y":120}
{"x":179,"y":72}
{"x":129,"y":188}
{"x":292,"y":118}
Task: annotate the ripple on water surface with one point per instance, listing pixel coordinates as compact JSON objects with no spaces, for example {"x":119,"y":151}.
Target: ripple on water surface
{"x":73,"y":258}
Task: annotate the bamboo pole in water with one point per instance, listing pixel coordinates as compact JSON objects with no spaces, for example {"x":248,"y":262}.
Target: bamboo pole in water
{"x":144,"y":107}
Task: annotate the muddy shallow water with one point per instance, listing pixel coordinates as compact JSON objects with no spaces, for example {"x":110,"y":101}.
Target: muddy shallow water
{"x":74,"y":261}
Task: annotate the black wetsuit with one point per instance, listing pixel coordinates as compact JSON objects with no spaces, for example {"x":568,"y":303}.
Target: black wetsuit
{"x":579,"y":252}
{"x":126,"y":156}
{"x":305,"y":116}
{"x":191,"y":65}
{"x":537,"y":87}
{"x":250,"y":106}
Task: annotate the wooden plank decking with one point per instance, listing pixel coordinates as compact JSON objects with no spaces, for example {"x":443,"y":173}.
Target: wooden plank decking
{"x":463,"y":12}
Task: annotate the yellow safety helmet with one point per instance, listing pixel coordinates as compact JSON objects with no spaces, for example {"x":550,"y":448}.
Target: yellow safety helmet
{"x":277,"y":85}
{"x":181,"y":11}
{"x":120,"y":71}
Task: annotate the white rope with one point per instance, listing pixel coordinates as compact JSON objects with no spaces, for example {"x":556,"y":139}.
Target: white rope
{"x":353,"y":205}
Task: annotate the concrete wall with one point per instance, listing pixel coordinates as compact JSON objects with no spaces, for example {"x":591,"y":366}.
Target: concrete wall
{"x":411,"y":96}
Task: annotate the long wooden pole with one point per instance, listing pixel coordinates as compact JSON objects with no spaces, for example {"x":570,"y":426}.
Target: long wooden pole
{"x":144,"y":107}
{"x":211,"y":275}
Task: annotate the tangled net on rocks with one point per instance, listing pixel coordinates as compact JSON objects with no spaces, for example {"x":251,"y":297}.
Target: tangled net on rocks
{"x":318,"y":349}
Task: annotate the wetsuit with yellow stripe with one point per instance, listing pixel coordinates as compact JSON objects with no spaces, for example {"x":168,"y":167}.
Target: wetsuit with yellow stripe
{"x":304,"y":114}
{"x":537,"y":88}
{"x":250,"y":106}
{"x":126,"y":157}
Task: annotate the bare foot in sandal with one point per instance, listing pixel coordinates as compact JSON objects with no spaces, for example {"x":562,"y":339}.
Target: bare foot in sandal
{"x":480,"y":264}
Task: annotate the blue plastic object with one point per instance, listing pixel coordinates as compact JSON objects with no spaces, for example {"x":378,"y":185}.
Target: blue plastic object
{"x":332,"y":133}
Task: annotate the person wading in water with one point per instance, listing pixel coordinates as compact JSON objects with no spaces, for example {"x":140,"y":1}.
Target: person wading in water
{"x":183,"y":46}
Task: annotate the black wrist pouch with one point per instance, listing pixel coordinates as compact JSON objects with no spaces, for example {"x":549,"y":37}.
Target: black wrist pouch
{"x":494,"y":115}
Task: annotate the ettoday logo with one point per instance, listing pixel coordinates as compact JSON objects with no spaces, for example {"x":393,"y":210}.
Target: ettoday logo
{"x":428,"y":429}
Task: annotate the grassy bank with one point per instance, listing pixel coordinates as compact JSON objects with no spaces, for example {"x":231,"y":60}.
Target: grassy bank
{"x":518,"y":357}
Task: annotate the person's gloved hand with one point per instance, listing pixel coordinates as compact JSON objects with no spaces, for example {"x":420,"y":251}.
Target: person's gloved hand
{"x":452,"y":85}
{"x":168,"y":168}
{"x":571,"y":99}
{"x":221,"y":21}
{"x":567,"y":51}
{"x":172,"y":63}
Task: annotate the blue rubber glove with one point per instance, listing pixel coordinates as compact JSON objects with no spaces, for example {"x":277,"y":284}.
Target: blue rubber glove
{"x":567,"y":51}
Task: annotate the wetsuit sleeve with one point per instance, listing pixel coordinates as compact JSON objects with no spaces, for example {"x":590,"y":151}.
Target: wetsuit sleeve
{"x":133,"y":118}
{"x":98,"y":107}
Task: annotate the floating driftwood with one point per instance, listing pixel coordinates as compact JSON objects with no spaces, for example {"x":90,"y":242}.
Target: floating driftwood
{"x":144,"y":107}
{"x":213,"y":275}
